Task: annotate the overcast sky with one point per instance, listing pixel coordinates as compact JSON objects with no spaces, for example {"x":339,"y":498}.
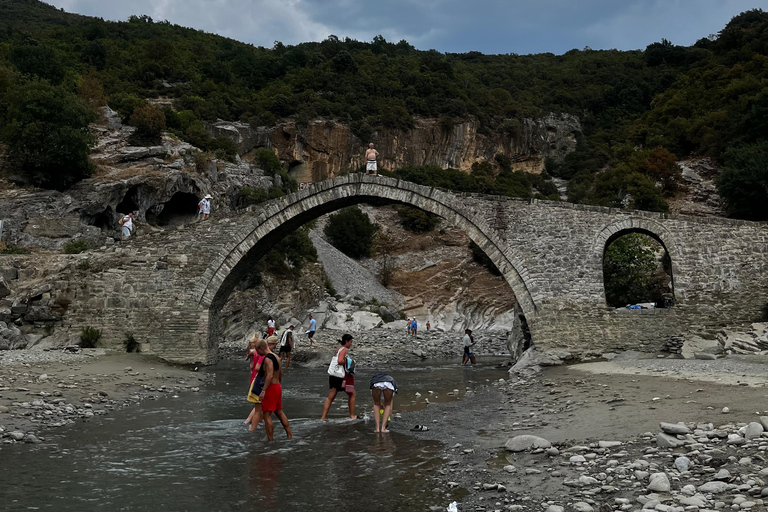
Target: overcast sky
{"x":488,"y":26}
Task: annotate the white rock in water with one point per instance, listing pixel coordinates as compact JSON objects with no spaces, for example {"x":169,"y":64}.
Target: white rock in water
{"x":659,"y":483}
{"x":673,"y":428}
{"x":713,"y":487}
{"x":682,"y":464}
{"x":510,"y":468}
{"x":577,"y":458}
{"x":585,"y":480}
{"x":726,"y":410}
{"x":526,"y":442}
{"x":693,"y":501}
{"x":609,"y":444}
{"x":555,"y":508}
{"x":753,"y":430}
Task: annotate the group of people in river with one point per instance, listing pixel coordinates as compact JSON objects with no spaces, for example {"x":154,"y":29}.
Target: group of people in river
{"x":265,"y":391}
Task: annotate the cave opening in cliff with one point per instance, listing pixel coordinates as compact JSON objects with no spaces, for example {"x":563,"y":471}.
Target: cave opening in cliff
{"x":104,"y":220}
{"x":130,"y":202}
{"x":637,"y":271}
{"x":179,"y":210}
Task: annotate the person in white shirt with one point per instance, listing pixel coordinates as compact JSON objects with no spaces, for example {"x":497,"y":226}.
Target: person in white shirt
{"x":270,"y":326}
{"x":127,"y":224}
{"x":469,"y":341}
{"x":204,"y":207}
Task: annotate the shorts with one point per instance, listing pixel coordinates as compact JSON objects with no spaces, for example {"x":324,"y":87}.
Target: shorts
{"x":126,"y":232}
{"x":285,"y":348}
{"x":349,"y":384}
{"x":273,"y":398}
{"x":371,"y":166}
{"x":270,"y":331}
{"x":336,"y":383}
{"x":467,"y":352}
{"x":311,"y":334}
{"x":384,"y":385}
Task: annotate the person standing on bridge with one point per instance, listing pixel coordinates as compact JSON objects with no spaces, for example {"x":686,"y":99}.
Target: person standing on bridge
{"x":370,"y":160}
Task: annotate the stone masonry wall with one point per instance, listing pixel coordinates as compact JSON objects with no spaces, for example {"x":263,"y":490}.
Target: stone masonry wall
{"x":167,"y":287}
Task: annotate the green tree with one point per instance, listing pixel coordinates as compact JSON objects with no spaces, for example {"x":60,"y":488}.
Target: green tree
{"x":352,"y":232}
{"x":37,"y":60}
{"x":634,"y":271}
{"x":48,"y":135}
{"x":743,"y":184}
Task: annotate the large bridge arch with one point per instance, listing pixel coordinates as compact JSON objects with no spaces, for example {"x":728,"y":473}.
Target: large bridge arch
{"x":283,"y":216}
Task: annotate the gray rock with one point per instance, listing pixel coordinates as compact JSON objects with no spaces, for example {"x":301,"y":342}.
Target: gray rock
{"x":723,"y":474}
{"x":577,"y":458}
{"x":682,"y":464}
{"x":688,"y":490}
{"x":674,"y":428}
{"x":585,"y":481}
{"x":582,"y":506}
{"x":510,"y":468}
{"x":754,"y":429}
{"x":555,"y":508}
{"x":726,"y":410}
{"x":31,"y":439}
{"x":16,"y":435}
{"x":693,"y":501}
{"x":659,"y":483}
{"x":526,"y":442}
{"x":553,"y":452}
{"x":609,"y":444}
{"x":666,"y":441}
{"x":713,"y":487}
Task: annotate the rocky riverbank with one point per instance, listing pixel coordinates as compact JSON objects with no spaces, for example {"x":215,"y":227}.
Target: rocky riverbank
{"x":608,"y":441}
{"x":47,"y":389}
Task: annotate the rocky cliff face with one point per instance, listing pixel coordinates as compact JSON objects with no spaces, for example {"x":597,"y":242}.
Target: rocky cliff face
{"x":160,"y":184}
{"x":324,"y":148}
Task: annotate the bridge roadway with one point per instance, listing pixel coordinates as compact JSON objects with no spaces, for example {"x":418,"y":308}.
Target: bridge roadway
{"x":168,"y":288}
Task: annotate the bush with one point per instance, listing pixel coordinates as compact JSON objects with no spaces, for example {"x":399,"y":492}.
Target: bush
{"x":84,"y":265}
{"x":352,"y":232}
{"x":48,"y":135}
{"x":89,"y":336}
{"x":77,"y":246}
{"x":150,"y":124}
{"x":417,"y":220}
{"x":130,"y":343}
{"x":743,"y":184}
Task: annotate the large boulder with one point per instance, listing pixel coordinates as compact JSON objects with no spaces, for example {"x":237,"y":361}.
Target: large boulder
{"x":695,"y":346}
{"x":526,"y":442}
{"x":532,"y":360}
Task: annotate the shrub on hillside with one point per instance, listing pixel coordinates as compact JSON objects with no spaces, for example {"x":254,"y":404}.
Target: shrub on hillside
{"x":743,"y":184}
{"x":352,"y":232}
{"x":48,"y":135}
{"x":150,"y":124}
{"x":77,"y":246}
{"x":416,"y":220}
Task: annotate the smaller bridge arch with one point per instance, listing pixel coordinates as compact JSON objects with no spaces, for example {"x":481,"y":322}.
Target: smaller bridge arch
{"x":636,"y":224}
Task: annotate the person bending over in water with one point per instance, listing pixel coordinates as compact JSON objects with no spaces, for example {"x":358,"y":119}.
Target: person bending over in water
{"x":336,"y":374}
{"x":382,"y":385}
{"x":271,"y":395}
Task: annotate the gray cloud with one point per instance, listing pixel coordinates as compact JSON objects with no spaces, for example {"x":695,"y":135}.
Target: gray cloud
{"x":490,"y":26}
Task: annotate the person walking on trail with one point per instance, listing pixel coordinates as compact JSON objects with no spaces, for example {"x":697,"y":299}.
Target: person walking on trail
{"x":127,"y":226}
{"x":469,"y":341}
{"x":311,"y":331}
{"x":204,"y":207}
{"x":271,"y":395}
{"x":427,"y":325}
{"x":382,"y":386}
{"x":336,"y":378}
{"x":286,"y":346}
{"x":370,"y":160}
{"x":270,"y":326}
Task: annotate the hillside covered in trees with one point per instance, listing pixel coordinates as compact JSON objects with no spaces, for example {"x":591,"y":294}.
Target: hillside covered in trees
{"x":640,"y":110}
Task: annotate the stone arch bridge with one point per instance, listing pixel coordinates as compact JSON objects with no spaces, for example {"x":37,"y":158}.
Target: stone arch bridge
{"x":167,"y":288}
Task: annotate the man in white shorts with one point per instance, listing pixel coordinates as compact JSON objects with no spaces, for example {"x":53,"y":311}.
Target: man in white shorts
{"x":370,"y":160}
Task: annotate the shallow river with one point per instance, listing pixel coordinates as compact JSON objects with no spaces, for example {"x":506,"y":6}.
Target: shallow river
{"x":194,"y":453}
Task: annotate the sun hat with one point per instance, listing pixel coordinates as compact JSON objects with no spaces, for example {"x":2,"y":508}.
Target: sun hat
{"x":208,"y":196}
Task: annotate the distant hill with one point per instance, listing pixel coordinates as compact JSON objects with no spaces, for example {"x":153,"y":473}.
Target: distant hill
{"x":640,"y":109}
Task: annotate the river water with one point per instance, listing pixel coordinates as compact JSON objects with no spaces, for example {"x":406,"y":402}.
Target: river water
{"x":193,"y":453}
